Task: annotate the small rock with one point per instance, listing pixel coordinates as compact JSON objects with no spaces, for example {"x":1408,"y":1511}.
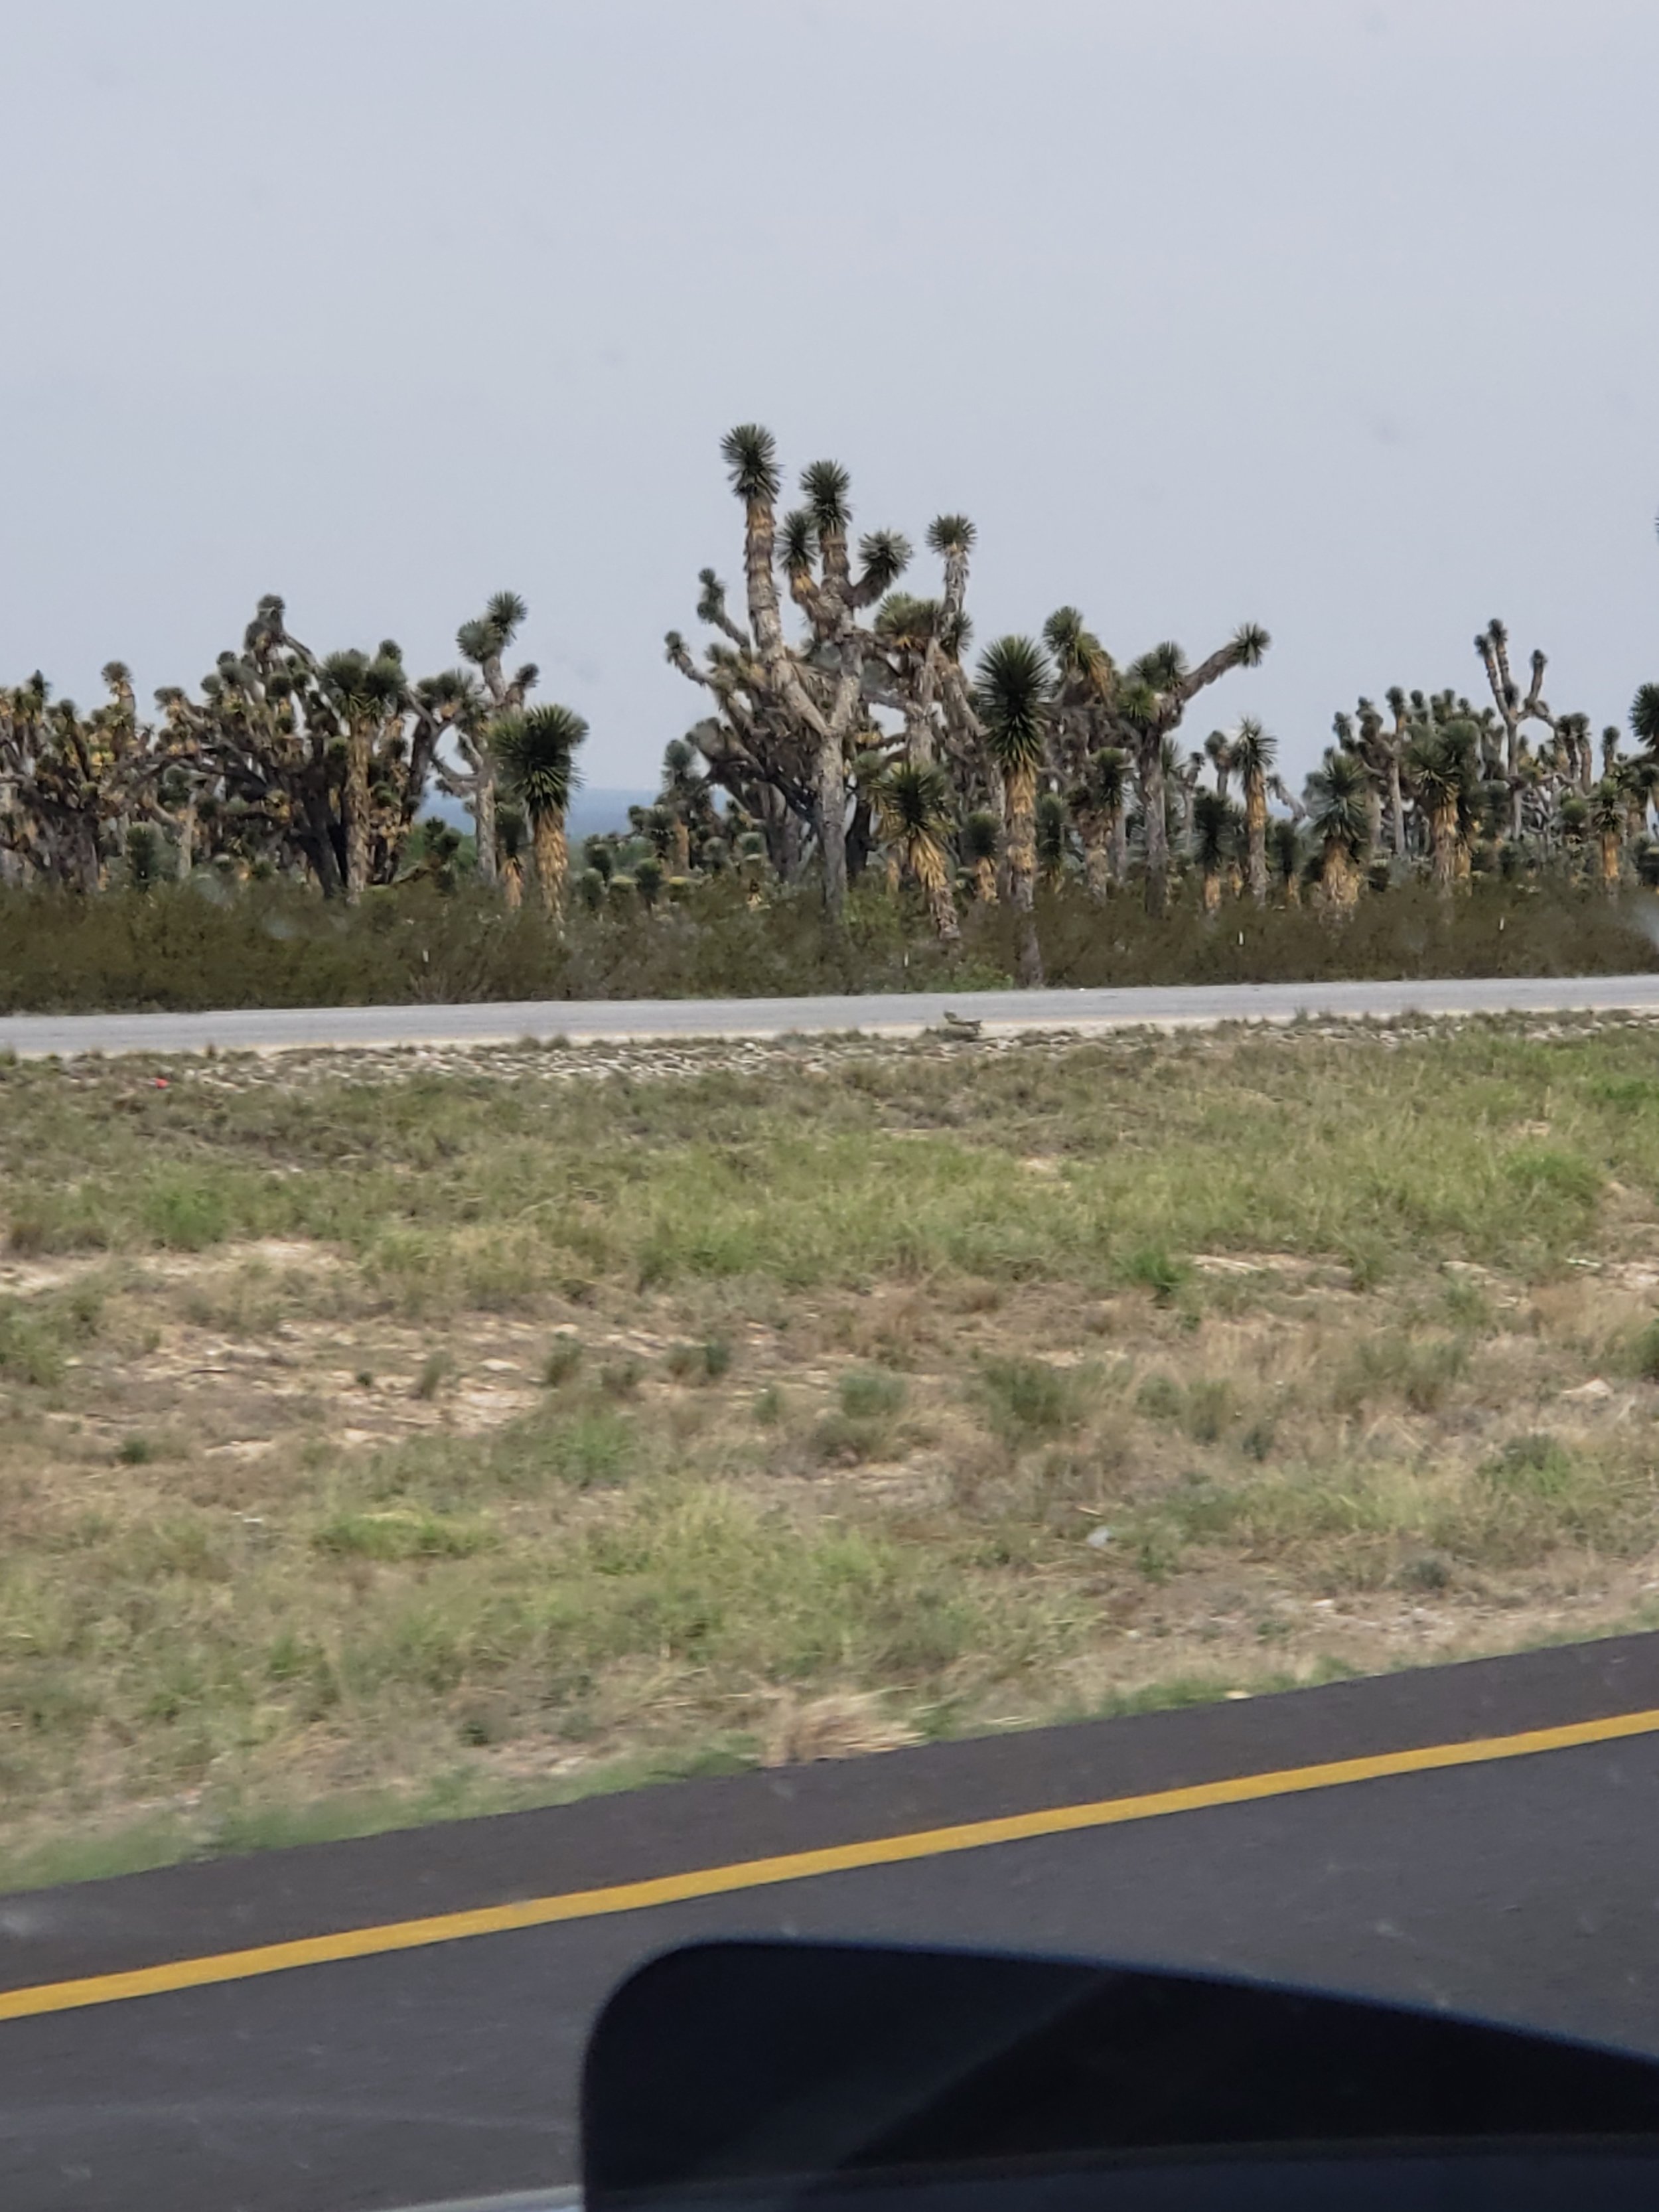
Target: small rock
{"x":1098,"y":1539}
{"x":1588,"y":1393}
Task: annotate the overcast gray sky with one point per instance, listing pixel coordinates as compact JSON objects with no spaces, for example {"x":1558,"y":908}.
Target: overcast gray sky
{"x":1340,"y":315}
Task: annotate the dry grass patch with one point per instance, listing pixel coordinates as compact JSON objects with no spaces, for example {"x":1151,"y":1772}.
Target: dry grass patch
{"x":401,"y":1440}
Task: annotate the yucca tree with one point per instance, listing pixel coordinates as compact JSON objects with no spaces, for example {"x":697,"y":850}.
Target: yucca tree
{"x":510,"y":844}
{"x":1339,"y":817}
{"x":1215,"y":821}
{"x":1513,"y":708}
{"x":1219,"y":751}
{"x":483,"y":642}
{"x":1645,"y":717}
{"x":1608,"y":818}
{"x":1150,"y":698}
{"x":1253,"y":753}
{"x":980,"y":844}
{"x":1442,"y":769}
{"x":1100,"y":803}
{"x":1285,"y":844}
{"x":912,"y":800}
{"x":1051,"y":838}
{"x":1013,"y":691}
{"x":365,"y":692}
{"x":534,"y":753}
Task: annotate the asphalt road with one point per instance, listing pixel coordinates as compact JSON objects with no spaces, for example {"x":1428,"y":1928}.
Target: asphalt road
{"x":892,"y":1014}
{"x":1525,"y":1887}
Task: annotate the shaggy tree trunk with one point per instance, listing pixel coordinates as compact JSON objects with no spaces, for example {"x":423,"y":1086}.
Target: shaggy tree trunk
{"x":927,"y":863}
{"x":1396,"y":805}
{"x":1442,"y":835}
{"x":483,"y":820}
{"x":1020,"y":800}
{"x":1610,"y":857}
{"x":1339,"y":882}
{"x":184,"y":829}
{"x":1212,"y":890}
{"x":830,"y":816}
{"x":356,"y":812}
{"x":1154,"y":824}
{"x":552,"y":862}
{"x":1255,"y":832}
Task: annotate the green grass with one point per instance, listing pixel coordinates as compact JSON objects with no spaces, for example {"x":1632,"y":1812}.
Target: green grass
{"x":814,"y":1386}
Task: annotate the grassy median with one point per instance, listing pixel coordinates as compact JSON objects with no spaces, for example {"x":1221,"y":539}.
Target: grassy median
{"x":391,"y":1434}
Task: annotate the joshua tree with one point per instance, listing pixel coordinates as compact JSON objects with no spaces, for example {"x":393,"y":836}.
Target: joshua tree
{"x":365,"y":694}
{"x":1150,"y":698}
{"x":1338,"y":817}
{"x":1215,"y":831}
{"x":1012,"y":693}
{"x":980,"y":843}
{"x":1100,"y":802}
{"x":1285,"y":846}
{"x":483,"y":642}
{"x":510,"y":828}
{"x":1441,"y":767}
{"x":1609,"y":815}
{"x":1051,"y":837}
{"x":534,"y":753}
{"x":1513,"y":708}
{"x":1252,"y":754}
{"x":913,"y":800}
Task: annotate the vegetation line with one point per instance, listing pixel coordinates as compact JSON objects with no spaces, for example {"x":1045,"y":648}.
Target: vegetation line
{"x":866,"y":761}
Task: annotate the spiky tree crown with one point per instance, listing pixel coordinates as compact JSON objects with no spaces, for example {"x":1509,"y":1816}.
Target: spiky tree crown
{"x":1213,"y":820}
{"x":982,"y":836}
{"x":883,"y":554}
{"x":751,"y":454}
{"x":1337,"y":805}
{"x":798,"y":541}
{"x":951,"y":533}
{"x":1254,"y":750}
{"x":1107,"y":781}
{"x":1160,"y":669}
{"x":905,"y":620}
{"x":914,"y":801}
{"x":1644,"y":715}
{"x":825,"y":486}
{"x":1012,"y":688}
{"x":1250,"y":643}
{"x":534,"y":753}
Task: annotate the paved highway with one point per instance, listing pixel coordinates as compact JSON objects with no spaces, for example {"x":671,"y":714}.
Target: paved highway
{"x":890,"y":1014}
{"x":1414,"y":1836}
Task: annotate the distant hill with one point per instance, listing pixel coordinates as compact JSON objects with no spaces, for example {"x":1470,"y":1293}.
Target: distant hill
{"x":592,"y":812}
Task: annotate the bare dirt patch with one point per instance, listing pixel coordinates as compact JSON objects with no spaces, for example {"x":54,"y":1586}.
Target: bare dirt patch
{"x":390,"y":1436}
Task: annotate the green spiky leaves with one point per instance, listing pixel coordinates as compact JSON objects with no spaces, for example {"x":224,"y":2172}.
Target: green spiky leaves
{"x":1644,"y":716}
{"x":982,"y":838}
{"x":914,"y":800}
{"x":826,"y":486}
{"x":885,"y":554}
{"x":535,"y":755}
{"x":1339,"y":811}
{"x":1012,"y":690}
{"x":798,"y":542}
{"x":750,"y":454}
{"x":949,"y":534}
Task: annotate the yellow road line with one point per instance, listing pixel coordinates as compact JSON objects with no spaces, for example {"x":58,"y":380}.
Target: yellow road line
{"x":800,"y":1866}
